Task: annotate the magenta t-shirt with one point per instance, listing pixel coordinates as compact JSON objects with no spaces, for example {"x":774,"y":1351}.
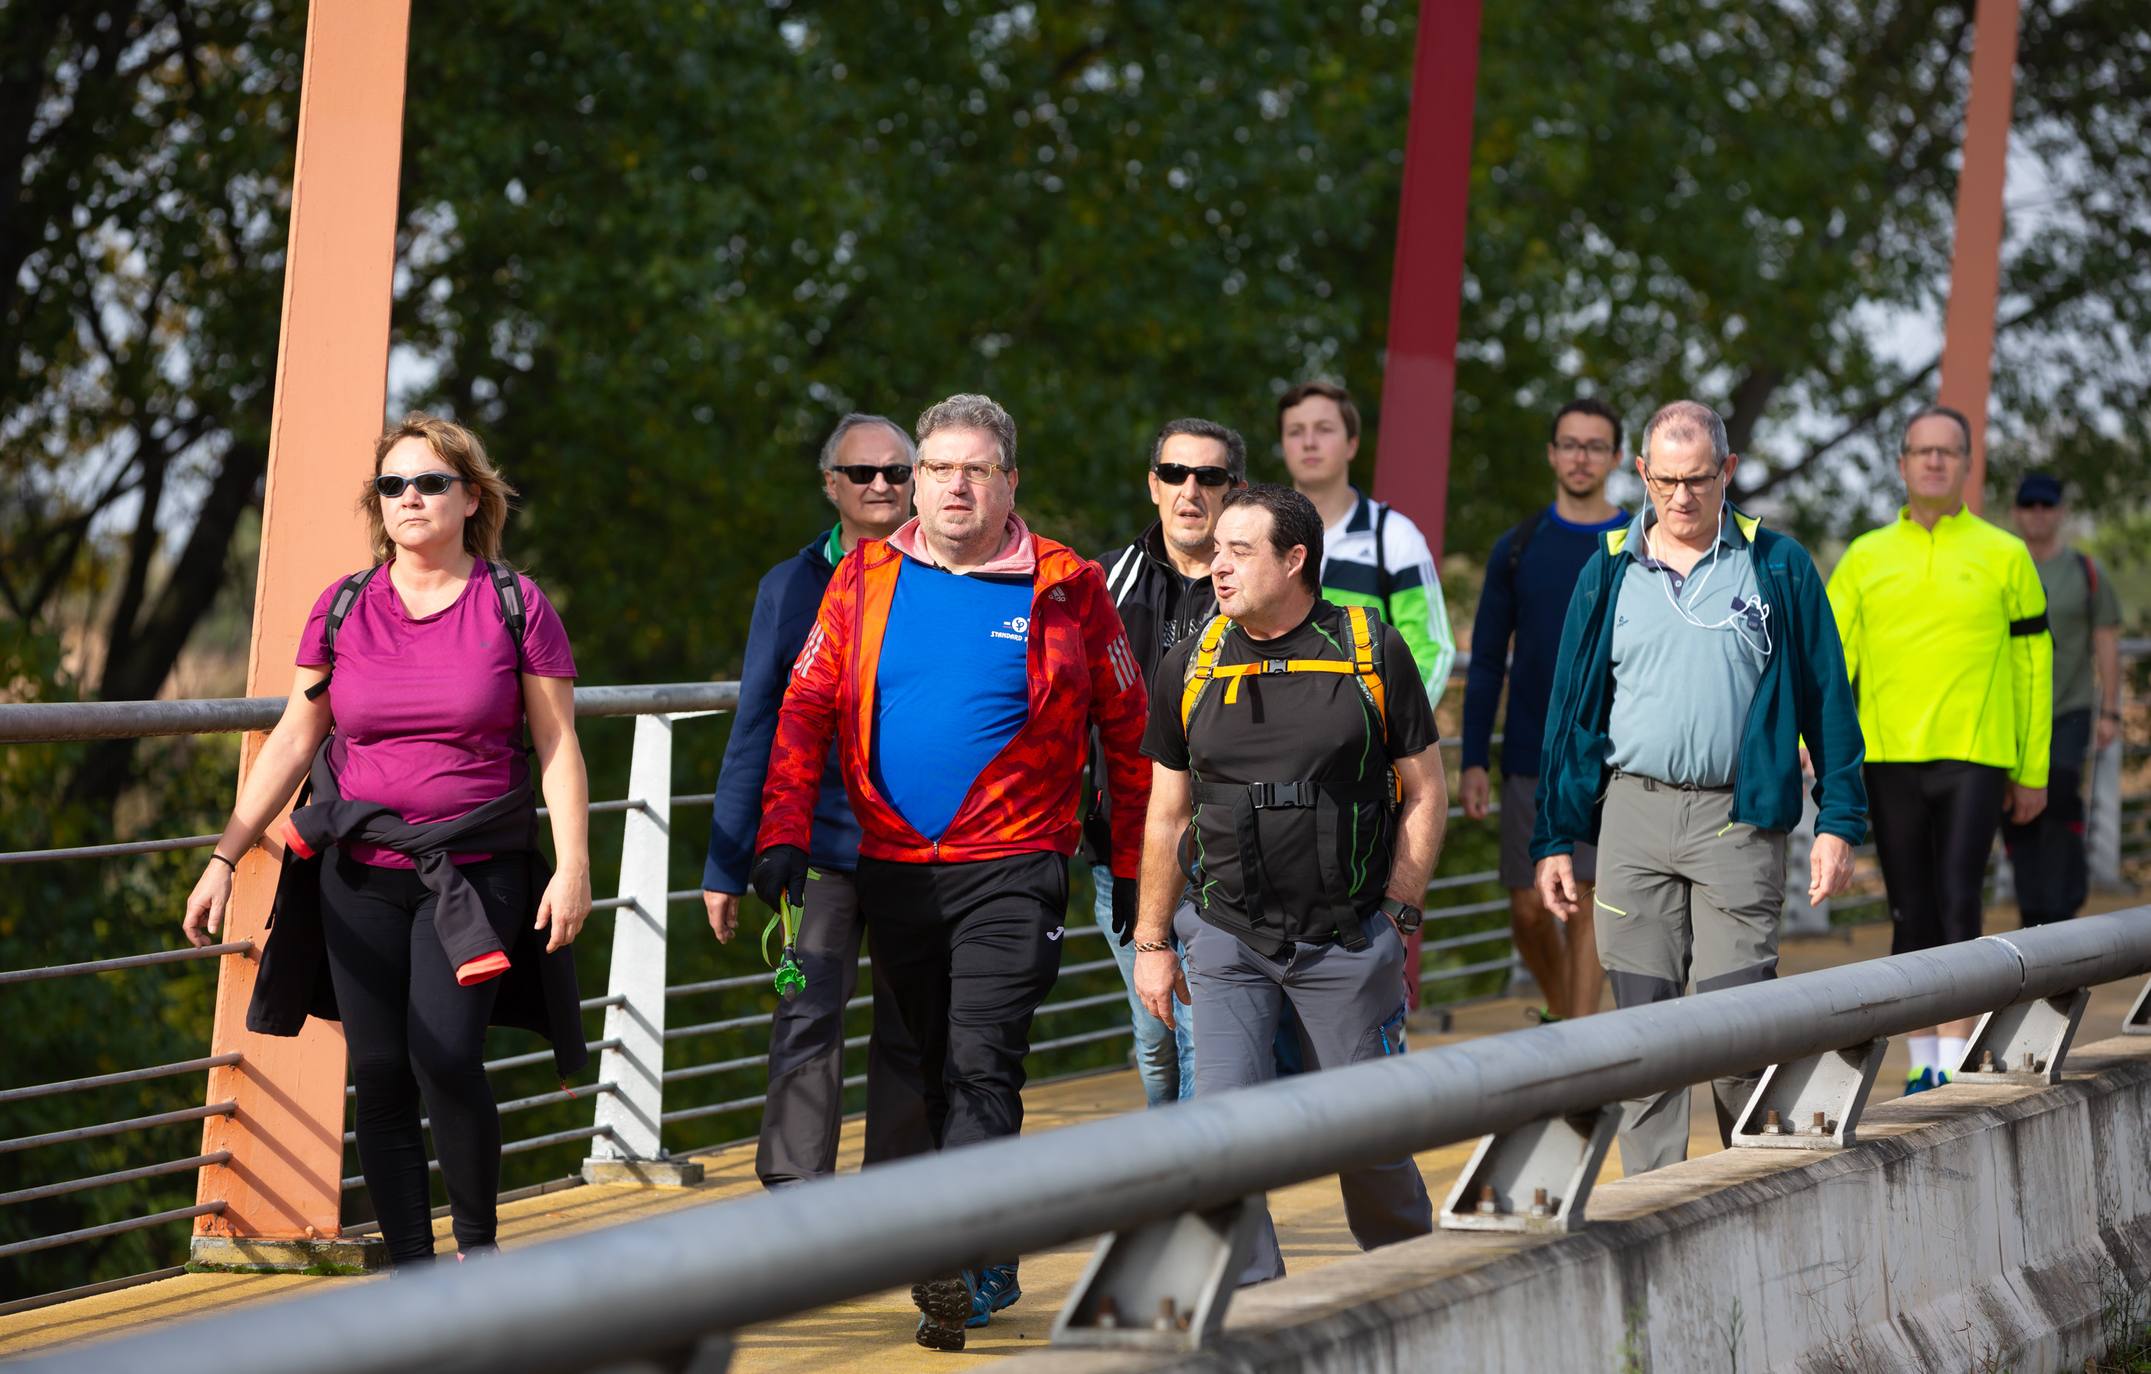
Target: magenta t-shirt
{"x":429,"y":711}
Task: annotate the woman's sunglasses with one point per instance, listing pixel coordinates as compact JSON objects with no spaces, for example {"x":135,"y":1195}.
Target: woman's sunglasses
{"x":428,"y":484}
{"x":863,"y":474}
{"x":1173,"y":474}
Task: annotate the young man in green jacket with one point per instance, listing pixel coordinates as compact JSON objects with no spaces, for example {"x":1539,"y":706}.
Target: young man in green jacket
{"x":1699,"y":653}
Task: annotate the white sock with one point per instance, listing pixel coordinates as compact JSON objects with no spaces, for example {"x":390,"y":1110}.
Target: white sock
{"x":1924,"y":1050}
{"x":1951,"y":1048}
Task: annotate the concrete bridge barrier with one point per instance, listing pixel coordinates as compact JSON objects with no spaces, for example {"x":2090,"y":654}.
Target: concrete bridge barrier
{"x":1980,"y":1228}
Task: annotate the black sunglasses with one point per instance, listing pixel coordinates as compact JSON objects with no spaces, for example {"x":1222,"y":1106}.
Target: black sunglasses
{"x":2035,"y":505}
{"x":862,"y":474}
{"x":428,"y":483}
{"x":1173,"y":474}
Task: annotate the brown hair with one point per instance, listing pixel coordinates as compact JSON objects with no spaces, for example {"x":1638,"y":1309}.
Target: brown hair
{"x":465,"y":455}
{"x":1331,"y":390}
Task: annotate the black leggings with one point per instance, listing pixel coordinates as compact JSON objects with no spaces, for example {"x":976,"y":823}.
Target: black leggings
{"x":411,"y":1030}
{"x":1934,"y":827}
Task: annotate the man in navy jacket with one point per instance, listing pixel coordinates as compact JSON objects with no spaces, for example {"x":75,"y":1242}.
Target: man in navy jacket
{"x":866,"y":474}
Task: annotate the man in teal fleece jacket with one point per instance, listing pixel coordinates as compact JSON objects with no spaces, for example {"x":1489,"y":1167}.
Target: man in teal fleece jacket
{"x":1698,"y":655}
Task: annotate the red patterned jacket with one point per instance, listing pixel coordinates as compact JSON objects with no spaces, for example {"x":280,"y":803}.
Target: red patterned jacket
{"x":1082,"y":672}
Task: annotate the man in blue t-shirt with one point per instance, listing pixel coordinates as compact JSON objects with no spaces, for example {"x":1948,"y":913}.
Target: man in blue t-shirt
{"x":1529,"y":578}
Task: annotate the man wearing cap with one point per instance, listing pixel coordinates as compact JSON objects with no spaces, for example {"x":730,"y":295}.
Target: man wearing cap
{"x":2085,"y":620}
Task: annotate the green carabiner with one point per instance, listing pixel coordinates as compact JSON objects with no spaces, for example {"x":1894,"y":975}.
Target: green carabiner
{"x":790,"y":977}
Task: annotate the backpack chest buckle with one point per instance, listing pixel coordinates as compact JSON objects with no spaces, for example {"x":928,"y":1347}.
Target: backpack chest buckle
{"x":1276,"y":665}
{"x":1279,"y":796}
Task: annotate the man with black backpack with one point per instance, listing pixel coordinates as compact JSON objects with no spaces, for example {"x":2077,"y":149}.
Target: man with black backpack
{"x":1297,"y":738}
{"x":1372,"y":554}
{"x":1529,"y":579}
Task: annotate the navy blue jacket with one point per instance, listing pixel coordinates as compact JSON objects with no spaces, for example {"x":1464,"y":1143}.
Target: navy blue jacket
{"x":1516,"y":635}
{"x":784,"y":609}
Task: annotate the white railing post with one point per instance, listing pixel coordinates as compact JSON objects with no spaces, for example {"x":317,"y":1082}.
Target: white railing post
{"x":631,"y":1151}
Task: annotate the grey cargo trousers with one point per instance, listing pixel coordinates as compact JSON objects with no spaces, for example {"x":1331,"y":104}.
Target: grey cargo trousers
{"x":1350,"y":1005}
{"x":1684,"y":891}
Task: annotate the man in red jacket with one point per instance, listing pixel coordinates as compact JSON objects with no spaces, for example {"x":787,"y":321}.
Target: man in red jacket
{"x":960,"y":665}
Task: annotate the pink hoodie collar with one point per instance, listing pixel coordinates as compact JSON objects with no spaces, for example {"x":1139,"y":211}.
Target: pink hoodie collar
{"x":1018,"y":556}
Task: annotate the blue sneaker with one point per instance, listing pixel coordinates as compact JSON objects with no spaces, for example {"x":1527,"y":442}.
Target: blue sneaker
{"x":996,"y":1289}
{"x":945,"y":1308}
{"x":1925,"y":1079}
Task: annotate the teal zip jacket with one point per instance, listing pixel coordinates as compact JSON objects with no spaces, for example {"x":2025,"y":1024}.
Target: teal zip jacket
{"x":1803,"y":694}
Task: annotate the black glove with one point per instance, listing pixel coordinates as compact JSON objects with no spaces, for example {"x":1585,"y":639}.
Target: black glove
{"x":1124,"y":908}
{"x":778,"y":871}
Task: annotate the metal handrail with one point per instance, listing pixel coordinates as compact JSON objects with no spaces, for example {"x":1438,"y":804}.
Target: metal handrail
{"x":664,"y":1283}
{"x":138,"y":1123}
{"x":162,"y":956}
{"x":112,"y":1080}
{"x":54,"y":722}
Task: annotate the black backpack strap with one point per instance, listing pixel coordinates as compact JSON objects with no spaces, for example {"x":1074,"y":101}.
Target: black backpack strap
{"x":1381,"y":556}
{"x":340,"y":606}
{"x":1520,"y":539}
{"x":509,"y":589}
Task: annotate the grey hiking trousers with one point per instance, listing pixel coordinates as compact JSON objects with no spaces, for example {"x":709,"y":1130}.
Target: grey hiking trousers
{"x":1350,"y":1005}
{"x":1684,"y":892}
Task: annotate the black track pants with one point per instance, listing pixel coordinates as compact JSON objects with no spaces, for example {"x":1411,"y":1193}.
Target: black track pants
{"x":805,"y":1110}
{"x":414,"y":1034}
{"x":2048,"y":855}
{"x":967,"y":951}
{"x":1934,"y":825}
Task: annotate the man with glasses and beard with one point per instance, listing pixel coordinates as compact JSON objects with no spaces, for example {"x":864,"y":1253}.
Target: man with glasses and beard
{"x":1161,"y":586}
{"x":866,"y":466}
{"x":960,"y":666}
{"x":1530,"y":577}
{"x":1699,"y":651}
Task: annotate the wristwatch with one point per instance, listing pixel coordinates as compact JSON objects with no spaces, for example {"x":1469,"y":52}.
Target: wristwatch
{"x":1404,"y":914}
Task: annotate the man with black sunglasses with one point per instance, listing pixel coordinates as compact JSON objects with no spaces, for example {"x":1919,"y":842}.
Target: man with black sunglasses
{"x":866,"y":468}
{"x":1161,"y":586}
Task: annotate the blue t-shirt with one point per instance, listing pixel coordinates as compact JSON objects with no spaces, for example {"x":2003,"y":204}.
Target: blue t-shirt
{"x":1526,"y":611}
{"x":952,"y":688}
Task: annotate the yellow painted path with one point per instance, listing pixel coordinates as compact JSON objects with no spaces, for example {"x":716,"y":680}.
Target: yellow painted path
{"x":874,"y":1333}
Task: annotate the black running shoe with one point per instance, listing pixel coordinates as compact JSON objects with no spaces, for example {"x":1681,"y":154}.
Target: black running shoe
{"x":944,"y":1306}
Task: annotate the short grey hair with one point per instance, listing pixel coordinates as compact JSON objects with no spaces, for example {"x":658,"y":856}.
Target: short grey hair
{"x":1235,"y":446}
{"x":968,"y":410}
{"x":1689,"y":420}
{"x":854,"y":421}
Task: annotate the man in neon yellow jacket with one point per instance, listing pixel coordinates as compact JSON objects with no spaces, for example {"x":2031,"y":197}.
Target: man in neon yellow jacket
{"x":1944,"y":625}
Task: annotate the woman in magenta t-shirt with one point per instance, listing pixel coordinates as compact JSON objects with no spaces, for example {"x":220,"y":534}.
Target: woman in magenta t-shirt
{"x":427,"y":699}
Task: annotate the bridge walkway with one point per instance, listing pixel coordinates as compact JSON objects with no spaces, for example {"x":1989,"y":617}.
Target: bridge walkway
{"x":873,"y":1333}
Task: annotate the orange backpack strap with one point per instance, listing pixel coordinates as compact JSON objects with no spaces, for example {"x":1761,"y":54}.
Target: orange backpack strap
{"x":1363,"y":664}
{"x":1202,"y":666}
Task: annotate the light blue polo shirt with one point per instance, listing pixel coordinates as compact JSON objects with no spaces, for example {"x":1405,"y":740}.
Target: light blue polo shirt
{"x":1682,"y":683}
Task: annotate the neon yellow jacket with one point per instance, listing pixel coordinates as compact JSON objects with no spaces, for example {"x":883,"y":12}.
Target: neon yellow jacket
{"x":1946,"y":642}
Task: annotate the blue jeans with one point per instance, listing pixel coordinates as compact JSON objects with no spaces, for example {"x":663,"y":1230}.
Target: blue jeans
{"x":1164,"y":1059}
